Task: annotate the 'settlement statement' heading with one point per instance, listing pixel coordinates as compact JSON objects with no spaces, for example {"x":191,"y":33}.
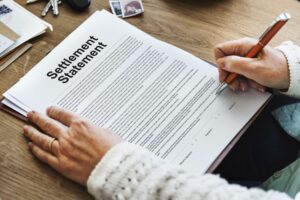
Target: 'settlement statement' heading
{"x":67,"y":68}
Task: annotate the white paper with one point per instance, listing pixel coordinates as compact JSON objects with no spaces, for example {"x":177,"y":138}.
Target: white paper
{"x":4,"y":43}
{"x":147,"y":91}
{"x":14,"y":107}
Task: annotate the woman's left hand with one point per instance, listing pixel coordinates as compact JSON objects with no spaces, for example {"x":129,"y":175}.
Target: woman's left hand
{"x":68,"y":143}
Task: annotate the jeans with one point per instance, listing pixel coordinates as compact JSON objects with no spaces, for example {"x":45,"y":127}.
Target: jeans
{"x":263,"y":149}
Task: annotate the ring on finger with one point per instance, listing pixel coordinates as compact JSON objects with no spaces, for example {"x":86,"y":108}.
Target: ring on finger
{"x":50,"y":144}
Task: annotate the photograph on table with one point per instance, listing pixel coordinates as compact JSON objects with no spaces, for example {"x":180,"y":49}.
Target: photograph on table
{"x":116,"y":8}
{"x":131,"y":7}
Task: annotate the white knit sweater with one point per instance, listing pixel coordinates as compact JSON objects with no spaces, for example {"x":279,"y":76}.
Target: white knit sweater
{"x":129,"y":172}
{"x":292,"y":54}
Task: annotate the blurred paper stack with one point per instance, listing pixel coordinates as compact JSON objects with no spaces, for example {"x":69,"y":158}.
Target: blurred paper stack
{"x":17,"y":26}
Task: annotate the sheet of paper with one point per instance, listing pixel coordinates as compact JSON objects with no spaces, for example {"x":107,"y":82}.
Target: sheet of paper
{"x":147,"y":91}
{"x":5,"y":43}
{"x":14,"y":107}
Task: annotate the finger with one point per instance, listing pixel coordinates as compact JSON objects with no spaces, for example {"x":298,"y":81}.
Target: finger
{"x":243,"y":84}
{"x":235,"y":85}
{"x":48,"y":125}
{"x":62,"y":115}
{"x":39,"y":139}
{"x":256,"y":86}
{"x":246,"y":67}
{"x":44,"y":156}
{"x":222,"y":74}
{"x":236,"y":47}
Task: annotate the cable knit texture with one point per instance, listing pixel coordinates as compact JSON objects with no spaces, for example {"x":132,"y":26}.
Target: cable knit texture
{"x":130,"y":172}
{"x":292,"y":54}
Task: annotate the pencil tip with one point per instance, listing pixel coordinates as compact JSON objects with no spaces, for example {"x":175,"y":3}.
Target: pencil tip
{"x":220,"y":88}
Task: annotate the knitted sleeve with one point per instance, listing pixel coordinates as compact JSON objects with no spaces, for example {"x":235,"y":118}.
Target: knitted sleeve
{"x":292,"y":54}
{"x":129,"y":172}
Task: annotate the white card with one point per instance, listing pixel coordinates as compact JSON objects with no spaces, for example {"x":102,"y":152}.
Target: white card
{"x":131,"y":7}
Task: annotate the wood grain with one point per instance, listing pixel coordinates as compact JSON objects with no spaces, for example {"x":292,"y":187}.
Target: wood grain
{"x":193,"y":25}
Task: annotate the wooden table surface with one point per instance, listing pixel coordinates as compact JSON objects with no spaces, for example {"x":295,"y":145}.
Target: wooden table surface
{"x":193,"y":25}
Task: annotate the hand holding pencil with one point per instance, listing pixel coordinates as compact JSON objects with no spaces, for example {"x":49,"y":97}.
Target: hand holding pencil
{"x":258,"y":67}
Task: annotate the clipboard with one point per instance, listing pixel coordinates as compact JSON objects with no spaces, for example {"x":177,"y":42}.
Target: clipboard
{"x":235,"y":140}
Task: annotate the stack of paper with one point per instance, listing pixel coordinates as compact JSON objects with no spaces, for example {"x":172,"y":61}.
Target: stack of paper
{"x":17,"y":25}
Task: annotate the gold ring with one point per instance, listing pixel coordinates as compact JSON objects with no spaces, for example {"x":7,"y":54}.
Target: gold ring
{"x":50,"y":144}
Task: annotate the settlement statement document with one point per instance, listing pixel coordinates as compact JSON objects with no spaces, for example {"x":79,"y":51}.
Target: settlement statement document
{"x":147,"y":91}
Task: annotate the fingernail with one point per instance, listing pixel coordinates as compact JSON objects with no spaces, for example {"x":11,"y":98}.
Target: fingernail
{"x":224,"y":66}
{"x":25,"y":128}
{"x":262,"y":90}
{"x":30,"y":145}
{"x":49,"y":109}
{"x":222,"y":78}
{"x":30,"y":114}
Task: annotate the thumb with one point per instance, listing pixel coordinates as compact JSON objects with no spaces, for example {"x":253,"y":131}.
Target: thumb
{"x":240,"y":65}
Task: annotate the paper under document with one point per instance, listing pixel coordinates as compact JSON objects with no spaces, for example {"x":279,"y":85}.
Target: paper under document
{"x":149,"y":92}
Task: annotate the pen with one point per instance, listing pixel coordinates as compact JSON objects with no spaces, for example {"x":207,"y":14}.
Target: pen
{"x":264,"y":39}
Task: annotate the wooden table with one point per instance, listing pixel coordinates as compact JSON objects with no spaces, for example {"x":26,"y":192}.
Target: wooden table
{"x":194,"y":25}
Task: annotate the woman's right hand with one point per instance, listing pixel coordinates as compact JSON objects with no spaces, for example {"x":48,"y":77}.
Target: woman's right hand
{"x":269,"y":69}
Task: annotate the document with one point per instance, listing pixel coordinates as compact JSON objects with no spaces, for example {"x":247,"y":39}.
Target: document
{"x":151,"y":93}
